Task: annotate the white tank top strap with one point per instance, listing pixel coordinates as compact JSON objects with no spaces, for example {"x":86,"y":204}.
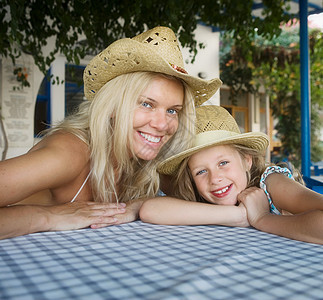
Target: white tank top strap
{"x":80,"y":189}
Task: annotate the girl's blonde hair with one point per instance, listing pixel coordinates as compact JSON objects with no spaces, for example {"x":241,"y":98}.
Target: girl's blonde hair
{"x":105,"y":124}
{"x":185,"y":188}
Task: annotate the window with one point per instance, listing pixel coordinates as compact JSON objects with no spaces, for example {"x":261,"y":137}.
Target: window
{"x":42,"y":108}
{"x":74,"y":88}
{"x":238,"y":110}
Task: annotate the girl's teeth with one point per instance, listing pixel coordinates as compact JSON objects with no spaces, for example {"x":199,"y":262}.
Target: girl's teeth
{"x":150,"y":138}
{"x":222,"y":191}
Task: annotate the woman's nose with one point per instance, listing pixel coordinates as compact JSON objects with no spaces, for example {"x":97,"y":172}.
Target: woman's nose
{"x":159,"y":120}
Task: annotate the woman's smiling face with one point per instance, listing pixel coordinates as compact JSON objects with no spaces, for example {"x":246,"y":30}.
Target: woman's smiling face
{"x":156,"y":117}
{"x":219,"y":173}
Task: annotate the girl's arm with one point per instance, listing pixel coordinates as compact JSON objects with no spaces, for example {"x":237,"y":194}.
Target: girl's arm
{"x":292,"y":196}
{"x":306,"y":223}
{"x":172,"y":211}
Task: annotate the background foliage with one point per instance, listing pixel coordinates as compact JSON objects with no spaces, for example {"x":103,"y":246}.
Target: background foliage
{"x":275,"y":65}
{"x":88,"y":26}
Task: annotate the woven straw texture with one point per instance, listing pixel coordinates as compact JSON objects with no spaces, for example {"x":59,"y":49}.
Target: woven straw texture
{"x":215,"y":126}
{"x":155,"y":50}
{"x":211,"y":117}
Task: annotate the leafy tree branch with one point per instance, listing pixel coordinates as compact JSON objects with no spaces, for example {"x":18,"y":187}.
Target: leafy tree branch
{"x":80,"y":27}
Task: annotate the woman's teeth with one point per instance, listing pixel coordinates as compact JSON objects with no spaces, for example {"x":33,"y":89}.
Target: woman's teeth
{"x":150,"y":138}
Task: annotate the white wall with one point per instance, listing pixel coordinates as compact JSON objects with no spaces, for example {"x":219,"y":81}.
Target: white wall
{"x":57,"y":90}
{"x":18,"y":105}
{"x":207,"y":60}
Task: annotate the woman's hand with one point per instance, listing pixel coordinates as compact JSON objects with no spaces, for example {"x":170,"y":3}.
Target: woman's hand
{"x":256,"y":203}
{"x":131,"y":212}
{"x":81,"y":215}
{"x":19,"y":220}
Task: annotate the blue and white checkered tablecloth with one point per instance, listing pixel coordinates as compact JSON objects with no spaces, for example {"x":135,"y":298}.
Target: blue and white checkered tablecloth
{"x":144,"y":261}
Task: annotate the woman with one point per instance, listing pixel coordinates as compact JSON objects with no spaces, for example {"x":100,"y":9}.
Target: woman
{"x":96,"y":167}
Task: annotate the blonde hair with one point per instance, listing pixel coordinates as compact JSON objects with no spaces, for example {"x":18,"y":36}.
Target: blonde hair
{"x":185,"y":188}
{"x":105,"y":124}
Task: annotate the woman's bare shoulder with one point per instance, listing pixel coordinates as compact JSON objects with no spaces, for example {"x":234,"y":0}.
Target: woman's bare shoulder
{"x":62,"y":140}
{"x":57,"y":159}
{"x":61,"y":150}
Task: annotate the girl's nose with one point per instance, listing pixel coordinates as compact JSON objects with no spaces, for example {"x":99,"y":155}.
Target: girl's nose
{"x":215,"y":176}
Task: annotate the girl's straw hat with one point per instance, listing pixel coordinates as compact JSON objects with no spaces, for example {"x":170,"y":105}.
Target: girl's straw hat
{"x":156,"y":50}
{"x":215,"y":126}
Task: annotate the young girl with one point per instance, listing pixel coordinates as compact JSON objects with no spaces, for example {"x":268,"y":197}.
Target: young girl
{"x":227,"y":168}
{"x":96,"y":166}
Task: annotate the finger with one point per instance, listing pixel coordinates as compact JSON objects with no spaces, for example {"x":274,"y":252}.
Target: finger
{"x":106,"y":205}
{"x":241,"y":197}
{"x":107,"y":211}
{"x":103,"y":220}
{"x":96,"y":226}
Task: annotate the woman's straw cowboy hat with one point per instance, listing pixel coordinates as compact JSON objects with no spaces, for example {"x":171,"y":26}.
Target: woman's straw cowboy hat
{"x":214,"y":126}
{"x":156,"y":50}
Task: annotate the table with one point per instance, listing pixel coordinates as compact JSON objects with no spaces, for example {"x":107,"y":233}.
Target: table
{"x":145,"y":261}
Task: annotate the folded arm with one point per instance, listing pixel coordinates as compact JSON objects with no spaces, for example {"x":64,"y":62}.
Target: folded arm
{"x":306,"y":222}
{"x":172,"y":211}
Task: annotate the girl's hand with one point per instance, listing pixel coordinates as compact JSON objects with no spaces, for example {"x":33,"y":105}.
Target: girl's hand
{"x":256,"y":203}
{"x":79,"y":215}
{"x":244,"y":220}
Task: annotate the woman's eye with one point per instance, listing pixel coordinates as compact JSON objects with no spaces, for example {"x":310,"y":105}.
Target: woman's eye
{"x":146,"y":104}
{"x":200,"y":172}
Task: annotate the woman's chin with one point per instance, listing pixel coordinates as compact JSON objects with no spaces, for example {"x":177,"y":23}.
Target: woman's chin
{"x":147,"y":155}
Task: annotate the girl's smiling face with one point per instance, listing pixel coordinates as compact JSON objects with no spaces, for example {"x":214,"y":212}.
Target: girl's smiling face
{"x":220,"y":173}
{"x":156,"y":117}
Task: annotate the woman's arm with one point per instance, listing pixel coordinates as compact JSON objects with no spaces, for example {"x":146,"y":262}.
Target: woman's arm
{"x":305,"y":226}
{"x":55,"y":162}
{"x":19,"y":220}
{"x":172,"y":211}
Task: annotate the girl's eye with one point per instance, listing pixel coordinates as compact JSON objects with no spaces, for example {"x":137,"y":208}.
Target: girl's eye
{"x":223,"y":163}
{"x":200,"y":172}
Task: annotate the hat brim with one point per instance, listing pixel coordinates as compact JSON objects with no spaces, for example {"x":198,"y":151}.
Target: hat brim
{"x":253,"y":140}
{"x":127,"y":56}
